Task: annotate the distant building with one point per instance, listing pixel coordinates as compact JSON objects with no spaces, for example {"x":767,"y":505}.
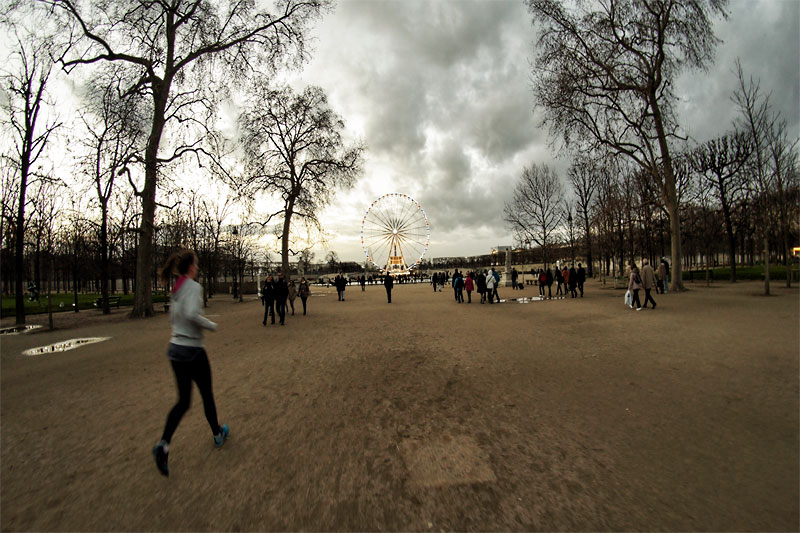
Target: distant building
{"x":501,"y":249}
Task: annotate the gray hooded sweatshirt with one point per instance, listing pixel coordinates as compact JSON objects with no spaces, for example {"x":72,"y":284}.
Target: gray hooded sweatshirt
{"x":186,"y":314}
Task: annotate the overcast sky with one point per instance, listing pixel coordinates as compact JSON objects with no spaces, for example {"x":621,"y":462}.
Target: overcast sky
{"x":440,"y":92}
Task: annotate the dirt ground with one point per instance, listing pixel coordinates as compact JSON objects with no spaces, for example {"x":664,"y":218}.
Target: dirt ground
{"x":422,"y":415}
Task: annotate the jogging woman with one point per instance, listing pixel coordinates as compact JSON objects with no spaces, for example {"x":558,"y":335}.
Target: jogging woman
{"x":186,"y":353}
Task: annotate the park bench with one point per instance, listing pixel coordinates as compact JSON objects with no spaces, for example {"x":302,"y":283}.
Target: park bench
{"x":112,"y":300}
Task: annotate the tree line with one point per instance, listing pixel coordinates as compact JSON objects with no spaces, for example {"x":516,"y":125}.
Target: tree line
{"x":604,"y":75}
{"x":131,"y":96}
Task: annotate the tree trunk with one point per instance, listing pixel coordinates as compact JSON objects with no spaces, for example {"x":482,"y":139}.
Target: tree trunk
{"x":766,"y":264}
{"x":49,"y":289}
{"x":19,"y":243}
{"x":104,"y":268}
{"x":726,"y":211}
{"x":787,"y":256}
{"x":143,"y":298}
{"x":287,"y":221}
{"x":75,"y":276}
{"x":670,"y":196}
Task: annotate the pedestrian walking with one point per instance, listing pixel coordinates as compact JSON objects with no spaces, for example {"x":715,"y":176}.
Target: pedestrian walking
{"x":292,"y":294}
{"x":268,"y":299}
{"x":490,"y":287}
{"x":388,"y":282}
{"x":542,"y":282}
{"x":662,"y":277}
{"x":340,"y":281}
{"x":458,"y":285}
{"x":560,"y":283}
{"x":649,"y":282}
{"x":186,"y":354}
{"x":581,"y":278}
{"x":496,"y":276}
{"x":469,"y":285}
{"x":635,"y":285}
{"x":281,"y":293}
{"x":304,"y":291}
{"x":548,"y":280}
{"x":573,"y":281}
{"x":480,"y":282}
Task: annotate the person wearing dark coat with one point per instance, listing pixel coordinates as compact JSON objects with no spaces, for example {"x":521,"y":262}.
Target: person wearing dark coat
{"x":573,"y":281}
{"x":548,"y":280}
{"x":559,"y":283}
{"x":458,"y":286}
{"x":268,"y":299}
{"x":281,"y":293}
{"x":304,"y":290}
{"x":340,"y":282}
{"x":388,"y":282}
{"x":480,"y":281}
{"x":581,"y":278}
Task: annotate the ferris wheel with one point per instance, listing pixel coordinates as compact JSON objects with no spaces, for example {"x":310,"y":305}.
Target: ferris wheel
{"x":395,"y":233}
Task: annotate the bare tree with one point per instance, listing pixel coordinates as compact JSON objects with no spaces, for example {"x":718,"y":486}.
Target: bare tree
{"x":295,"y":149}
{"x":719,"y":163}
{"x":26,"y":77}
{"x":604,"y":75}
{"x":758,"y":121}
{"x":305,"y":260}
{"x":115,"y":128}
{"x":784,"y":159}
{"x":332,"y":260}
{"x":583,"y":176}
{"x":536,"y":210}
{"x":50,"y":202}
{"x":171,"y":46}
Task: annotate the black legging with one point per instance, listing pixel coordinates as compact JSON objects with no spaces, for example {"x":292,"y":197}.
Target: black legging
{"x":636,"y":303}
{"x":269,"y":308}
{"x":303,"y":299}
{"x":199,"y":371}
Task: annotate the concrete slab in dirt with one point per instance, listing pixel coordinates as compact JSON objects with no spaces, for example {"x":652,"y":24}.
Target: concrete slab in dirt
{"x":455,"y":461}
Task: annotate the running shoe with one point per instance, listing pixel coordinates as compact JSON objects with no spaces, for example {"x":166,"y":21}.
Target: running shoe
{"x":161,"y":458}
{"x":224,"y":433}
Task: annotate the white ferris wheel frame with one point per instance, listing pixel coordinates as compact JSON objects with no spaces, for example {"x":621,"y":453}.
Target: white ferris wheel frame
{"x":419,"y":209}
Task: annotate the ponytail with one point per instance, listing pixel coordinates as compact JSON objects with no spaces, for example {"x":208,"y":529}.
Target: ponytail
{"x":177,"y":264}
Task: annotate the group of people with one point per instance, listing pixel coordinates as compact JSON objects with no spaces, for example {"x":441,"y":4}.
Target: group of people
{"x":341,"y":281}
{"x":276,"y":292}
{"x":571,"y":279}
{"x":485,"y":283}
{"x":645,"y":279}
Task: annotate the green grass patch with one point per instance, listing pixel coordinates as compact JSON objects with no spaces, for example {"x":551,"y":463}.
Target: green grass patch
{"x":63,"y":302}
{"x":743,"y":273}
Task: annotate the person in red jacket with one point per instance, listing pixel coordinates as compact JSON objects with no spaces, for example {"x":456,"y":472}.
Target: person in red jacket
{"x":469,"y":285}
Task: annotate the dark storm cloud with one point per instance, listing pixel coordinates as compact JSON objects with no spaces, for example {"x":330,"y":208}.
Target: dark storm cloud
{"x":440,"y":92}
{"x":764,"y":36}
